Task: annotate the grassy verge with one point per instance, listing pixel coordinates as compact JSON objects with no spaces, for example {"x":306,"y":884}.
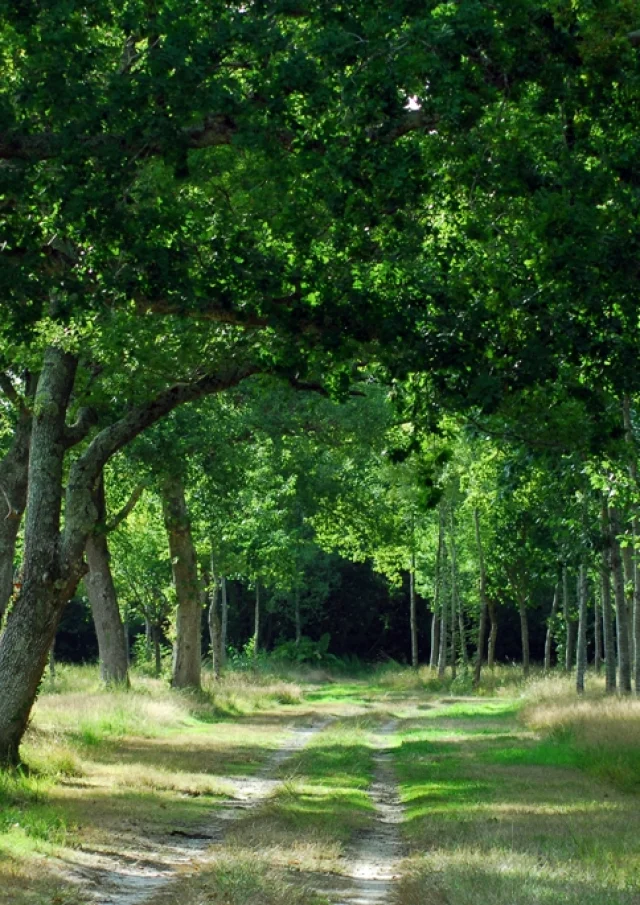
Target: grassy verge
{"x":105,"y":769}
{"x":301,"y":832}
{"x":496,"y":815}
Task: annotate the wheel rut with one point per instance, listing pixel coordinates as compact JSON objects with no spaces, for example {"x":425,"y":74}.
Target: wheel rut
{"x":131,"y":876}
{"x":372,"y":862}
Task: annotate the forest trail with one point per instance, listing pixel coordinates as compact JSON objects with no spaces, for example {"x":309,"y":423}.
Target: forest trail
{"x":356,"y":795}
{"x":133,"y":875}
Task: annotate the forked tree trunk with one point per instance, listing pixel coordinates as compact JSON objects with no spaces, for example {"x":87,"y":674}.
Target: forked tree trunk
{"x":622,"y":622}
{"x":482,"y":621}
{"x":549,"y":636}
{"x":101,"y":591}
{"x":187,"y":646}
{"x":607,"y":609}
{"x":413,"y":618}
{"x":31,"y":625}
{"x":581,"y":655}
{"x":14,"y":473}
{"x":53,"y":559}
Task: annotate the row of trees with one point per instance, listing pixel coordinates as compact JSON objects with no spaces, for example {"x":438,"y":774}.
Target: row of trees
{"x":443,"y":196}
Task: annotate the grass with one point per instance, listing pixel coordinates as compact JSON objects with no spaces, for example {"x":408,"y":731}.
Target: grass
{"x":521,"y":794}
{"x":498,"y":814}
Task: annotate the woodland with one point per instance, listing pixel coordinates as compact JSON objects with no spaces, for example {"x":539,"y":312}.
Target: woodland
{"x":319,"y":364}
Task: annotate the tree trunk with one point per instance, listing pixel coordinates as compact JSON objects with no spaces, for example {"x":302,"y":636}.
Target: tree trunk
{"x":156,"y":637}
{"x":581,"y":655}
{"x":444,"y":620}
{"x":629,"y":582}
{"x":569,"y":622}
{"x":31,"y":625}
{"x":215,"y":627}
{"x":437,"y":594}
{"x":296,"y":613}
{"x":14,"y":473}
{"x":607,"y":610}
{"x":104,"y":602}
{"x":597,"y":631}
{"x":633,"y":471}
{"x":413,"y":619}
{"x":224,"y":621}
{"x":187,"y":647}
{"x":482,"y":622}
{"x":256,"y":622}
{"x":524,"y":633}
{"x":622,"y":622}
{"x":493,"y":635}
{"x":549,"y":636}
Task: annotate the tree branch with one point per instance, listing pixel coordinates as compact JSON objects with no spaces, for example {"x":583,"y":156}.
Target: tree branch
{"x":77,"y":431}
{"x":634,"y":37}
{"x":9,"y":390}
{"x":126,"y":510}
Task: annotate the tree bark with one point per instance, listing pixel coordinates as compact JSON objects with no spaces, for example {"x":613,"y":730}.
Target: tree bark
{"x":482,"y":621}
{"x":607,"y":610}
{"x":633,"y":472}
{"x":622,"y":622}
{"x":47,"y":585}
{"x":101,"y":591}
{"x":581,"y":654}
{"x":413,"y":618}
{"x":187,"y":646}
{"x":53,"y":559}
{"x":549,"y":636}
{"x":14,"y":473}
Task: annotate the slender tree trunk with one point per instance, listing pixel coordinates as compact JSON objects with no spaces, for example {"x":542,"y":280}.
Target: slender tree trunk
{"x":31,"y":625}
{"x":622,"y":623}
{"x":437,"y":594}
{"x":581,"y":655}
{"x":524,"y":632}
{"x":102,"y":596}
{"x":187,"y":647}
{"x":14,"y":472}
{"x":607,"y":609}
{"x":444,"y":620}
{"x":633,"y":472}
{"x":569,"y":622}
{"x":148,"y":636}
{"x":597,"y":631}
{"x":482,"y":622}
{"x":413,"y":619}
{"x":256,"y":622}
{"x":215,"y":627}
{"x":493,"y":635}
{"x":549,"y":636}
{"x":628,"y":570}
{"x":224,"y":621}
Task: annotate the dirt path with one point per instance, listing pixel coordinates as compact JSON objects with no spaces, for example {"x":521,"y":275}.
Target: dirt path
{"x":372,"y":863}
{"x":132,"y":875}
